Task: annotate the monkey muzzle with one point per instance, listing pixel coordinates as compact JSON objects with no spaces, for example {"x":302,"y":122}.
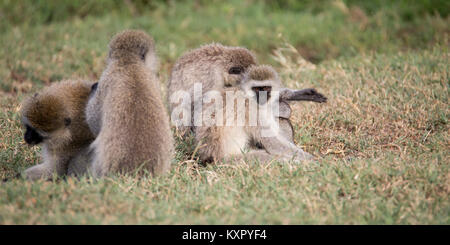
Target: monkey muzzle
{"x":262,"y":93}
{"x":32,"y":137}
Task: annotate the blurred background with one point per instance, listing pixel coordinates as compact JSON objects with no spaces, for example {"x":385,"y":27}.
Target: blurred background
{"x":318,"y":29}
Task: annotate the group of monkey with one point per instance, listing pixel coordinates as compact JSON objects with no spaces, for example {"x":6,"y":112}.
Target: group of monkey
{"x":120,"y":124}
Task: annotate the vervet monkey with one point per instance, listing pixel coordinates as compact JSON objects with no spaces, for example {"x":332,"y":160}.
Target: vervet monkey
{"x":260,"y":141}
{"x":126,"y":111}
{"x":213,"y":67}
{"x":55,"y":118}
{"x":219,"y":68}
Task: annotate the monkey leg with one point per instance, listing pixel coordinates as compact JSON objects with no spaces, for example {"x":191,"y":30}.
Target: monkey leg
{"x":52,"y":165}
{"x":40,"y":171}
{"x":286,"y":129}
{"x":260,"y":156}
{"x":281,"y":146}
{"x":209,"y":143}
{"x":284,"y":109}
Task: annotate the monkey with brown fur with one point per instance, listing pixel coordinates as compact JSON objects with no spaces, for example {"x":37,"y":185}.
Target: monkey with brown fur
{"x":214,"y":66}
{"x":55,"y":118}
{"x":126,"y":111}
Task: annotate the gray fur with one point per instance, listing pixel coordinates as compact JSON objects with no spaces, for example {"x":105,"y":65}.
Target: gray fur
{"x":126,"y":111}
{"x":209,"y":65}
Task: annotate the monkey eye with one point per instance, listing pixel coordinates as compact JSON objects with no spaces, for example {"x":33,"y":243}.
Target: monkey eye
{"x":236,"y":70}
{"x":67,"y":121}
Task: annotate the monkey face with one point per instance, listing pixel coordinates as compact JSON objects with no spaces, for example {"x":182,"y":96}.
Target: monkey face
{"x":234,"y":75}
{"x":43,"y":117}
{"x":263,"y":91}
{"x":34,"y":136}
{"x":237,"y":61}
{"x":262,"y":83}
{"x":31,"y":136}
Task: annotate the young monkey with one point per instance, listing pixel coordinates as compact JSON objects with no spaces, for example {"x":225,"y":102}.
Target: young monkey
{"x":126,"y":112}
{"x":55,"y":118}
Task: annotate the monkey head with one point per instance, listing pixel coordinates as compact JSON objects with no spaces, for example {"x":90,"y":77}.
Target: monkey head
{"x":44,"y":119}
{"x":131,"y":45}
{"x":259,"y":80}
{"x":56,"y":114}
{"x":236,"y":61}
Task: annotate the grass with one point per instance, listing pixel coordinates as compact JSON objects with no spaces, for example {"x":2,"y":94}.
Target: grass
{"x":382,"y":139}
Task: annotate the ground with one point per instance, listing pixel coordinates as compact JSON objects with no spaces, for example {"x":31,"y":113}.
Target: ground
{"x":382,"y":139}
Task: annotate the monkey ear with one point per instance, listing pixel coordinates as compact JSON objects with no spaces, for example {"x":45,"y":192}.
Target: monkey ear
{"x":93,"y":89}
{"x":94,"y":86}
{"x":143,"y":53}
{"x":67,"y":121}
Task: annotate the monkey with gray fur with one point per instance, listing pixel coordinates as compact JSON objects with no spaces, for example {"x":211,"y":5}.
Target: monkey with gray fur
{"x":264,"y":79}
{"x":254,"y":142}
{"x":290,"y":95}
{"x":55,"y":118}
{"x":222,"y":68}
{"x":126,"y":111}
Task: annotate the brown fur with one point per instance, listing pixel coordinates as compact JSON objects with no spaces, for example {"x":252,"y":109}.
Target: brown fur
{"x":209,"y":65}
{"x":261,"y":73}
{"x":47,"y":112}
{"x":128,"y":110}
{"x":199,"y":64}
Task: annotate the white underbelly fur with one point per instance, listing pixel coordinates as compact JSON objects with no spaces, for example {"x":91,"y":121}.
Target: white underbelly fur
{"x":235,"y":140}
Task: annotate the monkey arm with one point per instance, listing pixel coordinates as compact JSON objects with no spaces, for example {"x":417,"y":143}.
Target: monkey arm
{"x":40,"y":171}
{"x":52,"y":164}
{"x":308,"y":94}
{"x":284,"y":110}
{"x":80,"y":163}
{"x":209,"y":143}
{"x":286,"y":129}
